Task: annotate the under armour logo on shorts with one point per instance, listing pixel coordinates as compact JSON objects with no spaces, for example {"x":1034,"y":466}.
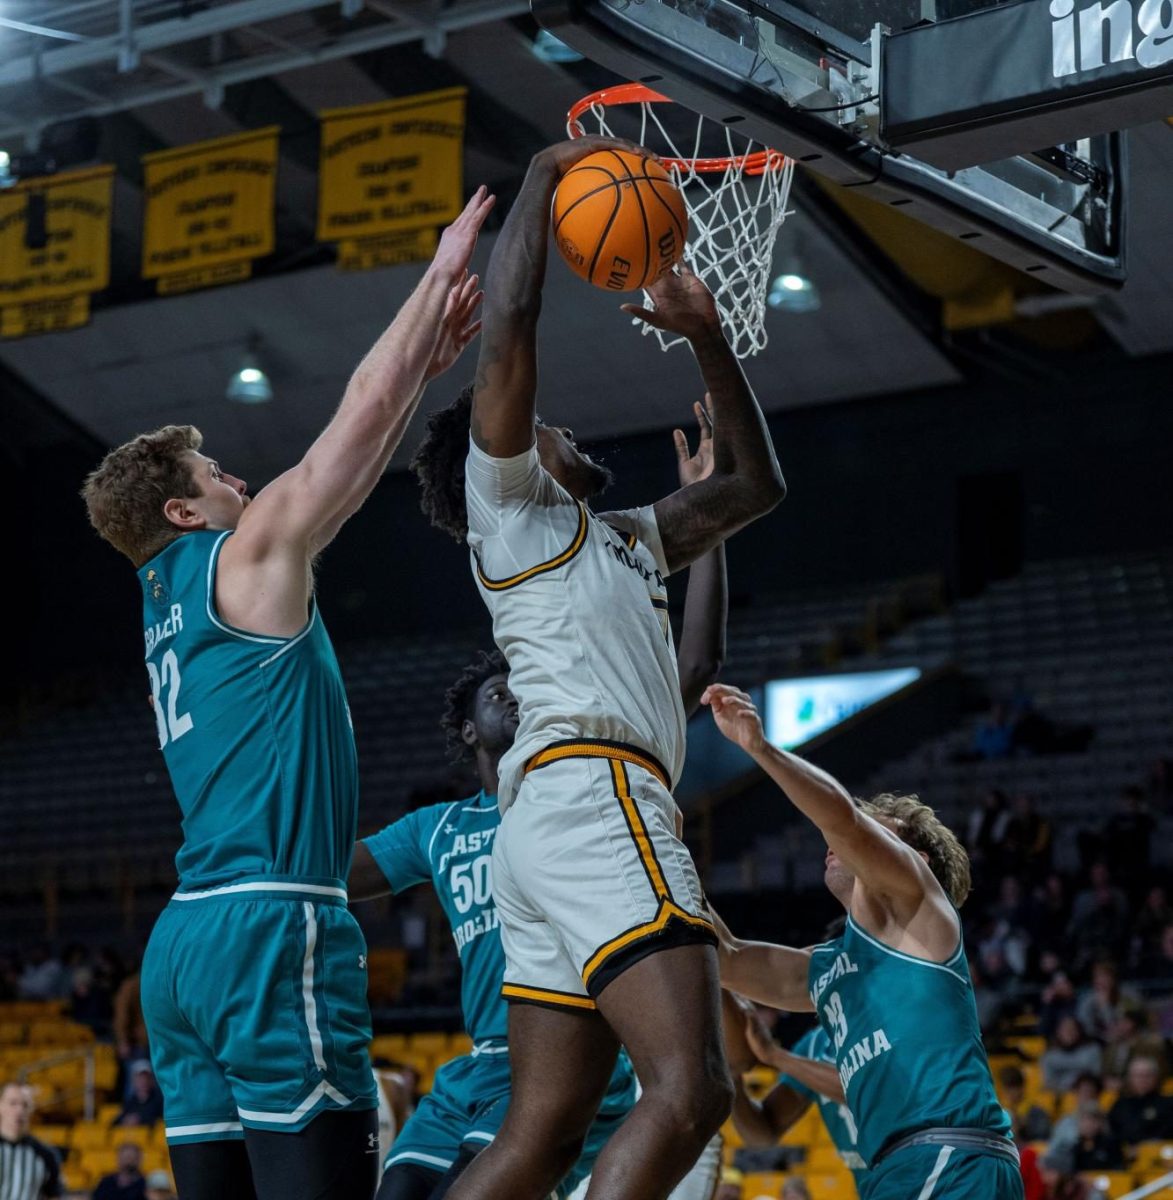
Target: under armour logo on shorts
{"x":362,"y":962}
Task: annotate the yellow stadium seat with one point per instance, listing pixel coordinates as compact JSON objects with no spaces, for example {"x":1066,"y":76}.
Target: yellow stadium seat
{"x":1144,"y":1178}
{"x":461,"y":1044}
{"x":12,"y":1033}
{"x":389,"y":1045}
{"x":89,"y":1135}
{"x":838,"y":1186}
{"x":1111,"y":1184}
{"x":155,"y":1160}
{"x":823,"y":1159}
{"x":76,"y":1178}
{"x":1154,"y":1156}
{"x":107,"y":1113}
{"x":141,"y":1135}
{"x":159,"y":1136}
{"x":803,"y":1131}
{"x":99,"y":1162}
{"x":755,"y":1184}
{"x":1030,"y":1046}
{"x":52,"y":1135}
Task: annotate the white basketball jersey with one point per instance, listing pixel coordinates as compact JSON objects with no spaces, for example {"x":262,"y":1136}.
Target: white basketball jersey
{"x":580,"y":611}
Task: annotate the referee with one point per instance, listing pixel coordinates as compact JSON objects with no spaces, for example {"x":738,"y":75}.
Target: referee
{"x":28,"y":1169}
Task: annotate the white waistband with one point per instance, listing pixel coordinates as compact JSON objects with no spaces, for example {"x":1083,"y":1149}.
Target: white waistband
{"x":308,"y":889}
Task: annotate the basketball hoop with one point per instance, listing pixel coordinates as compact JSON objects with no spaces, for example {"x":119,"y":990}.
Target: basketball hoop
{"x":736,"y":205}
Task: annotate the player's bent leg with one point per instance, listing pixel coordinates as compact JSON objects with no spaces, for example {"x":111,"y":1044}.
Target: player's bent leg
{"x":454,"y":1172}
{"x":406,"y":1181}
{"x":334,"y":1157}
{"x":562,"y":1062}
{"x":212,"y":1171}
{"x":666,"y":1009}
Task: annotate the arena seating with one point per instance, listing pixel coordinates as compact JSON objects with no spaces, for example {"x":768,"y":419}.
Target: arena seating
{"x":1091,"y":642}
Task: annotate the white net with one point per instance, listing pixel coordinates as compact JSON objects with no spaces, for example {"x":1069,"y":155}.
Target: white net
{"x":735,"y":213}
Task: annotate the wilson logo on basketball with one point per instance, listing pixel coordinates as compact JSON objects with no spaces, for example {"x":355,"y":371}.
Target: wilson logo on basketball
{"x":618,"y":276}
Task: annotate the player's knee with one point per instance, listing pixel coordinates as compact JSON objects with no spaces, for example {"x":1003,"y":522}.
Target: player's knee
{"x":697,"y":1100}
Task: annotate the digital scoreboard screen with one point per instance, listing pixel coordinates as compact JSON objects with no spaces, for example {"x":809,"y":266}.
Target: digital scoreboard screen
{"x":797,"y":710}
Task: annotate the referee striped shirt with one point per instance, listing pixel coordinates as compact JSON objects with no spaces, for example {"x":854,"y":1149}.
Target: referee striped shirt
{"x":28,"y":1170}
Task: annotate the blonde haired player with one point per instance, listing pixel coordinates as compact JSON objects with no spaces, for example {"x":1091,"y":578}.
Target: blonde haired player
{"x":893,"y":993}
{"x":604,"y":927}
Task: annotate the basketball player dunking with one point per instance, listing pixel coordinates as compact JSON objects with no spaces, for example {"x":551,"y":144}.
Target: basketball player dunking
{"x":254,"y":981}
{"x":604,"y":928}
{"x":893,"y":994}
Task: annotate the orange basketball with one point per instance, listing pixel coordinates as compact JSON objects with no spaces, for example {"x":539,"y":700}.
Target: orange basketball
{"x":619,"y":220}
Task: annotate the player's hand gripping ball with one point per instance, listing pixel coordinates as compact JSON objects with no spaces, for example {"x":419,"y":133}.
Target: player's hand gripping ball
{"x":619,"y":220}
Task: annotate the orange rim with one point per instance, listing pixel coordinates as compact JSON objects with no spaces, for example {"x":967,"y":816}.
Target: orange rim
{"x":638,"y":93}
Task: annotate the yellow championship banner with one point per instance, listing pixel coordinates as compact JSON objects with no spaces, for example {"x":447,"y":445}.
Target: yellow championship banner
{"x":388,"y":250}
{"x":207,"y":205}
{"x":391,"y":166}
{"x":44,"y":316}
{"x":55,"y":236}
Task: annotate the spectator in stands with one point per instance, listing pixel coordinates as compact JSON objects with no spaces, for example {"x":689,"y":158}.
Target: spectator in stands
{"x":1142,"y":1114}
{"x":1101,"y":1006}
{"x":994,"y":737}
{"x":1031,"y":1123}
{"x":1088,"y":1089}
{"x":1099,"y":919}
{"x":87,"y":1005}
{"x":1126,"y":837}
{"x":1159,"y":789}
{"x":9,"y":976}
{"x":1097,"y":1147}
{"x":1033,"y":1185}
{"x":1058,"y":994}
{"x":1157,"y":963}
{"x":43,"y":977}
{"x":159,"y":1186}
{"x":127,"y":1182}
{"x":1149,"y":926}
{"x":795,"y":1188}
{"x":1132,"y":1038}
{"x":28,"y":1168}
{"x":1026,"y":846}
{"x":1062,"y":1180}
{"x":1068,"y":1056}
{"x":144,"y":1105}
{"x":130,"y":1030}
{"x":986,"y":829}
{"x":1049,"y":915}
{"x":1011,"y":906}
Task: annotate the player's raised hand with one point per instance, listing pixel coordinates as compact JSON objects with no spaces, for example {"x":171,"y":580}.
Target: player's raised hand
{"x":563,"y":155}
{"x":736,"y":716}
{"x":759,"y":1040}
{"x":459,"y":240}
{"x":683,"y":304}
{"x":458,"y":327}
{"x":695,"y":467}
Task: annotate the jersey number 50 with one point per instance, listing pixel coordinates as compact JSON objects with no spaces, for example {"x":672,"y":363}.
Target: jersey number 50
{"x":472,"y":883}
{"x":172,"y":724}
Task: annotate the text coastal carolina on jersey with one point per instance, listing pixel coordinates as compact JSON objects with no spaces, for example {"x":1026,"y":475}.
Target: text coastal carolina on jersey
{"x":870,"y":1046}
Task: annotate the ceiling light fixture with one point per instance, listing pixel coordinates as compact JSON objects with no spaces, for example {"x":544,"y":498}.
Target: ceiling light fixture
{"x":793,"y":292}
{"x":249,"y":384}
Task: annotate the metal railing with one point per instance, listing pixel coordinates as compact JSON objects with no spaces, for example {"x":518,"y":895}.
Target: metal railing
{"x":88,"y":1089}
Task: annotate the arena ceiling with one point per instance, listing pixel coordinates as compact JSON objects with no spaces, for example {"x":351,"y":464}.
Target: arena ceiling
{"x":179,"y":71}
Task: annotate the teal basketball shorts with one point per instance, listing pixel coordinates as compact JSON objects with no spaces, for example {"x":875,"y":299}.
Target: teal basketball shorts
{"x":466,"y":1105}
{"x":942,"y":1173}
{"x":255,"y":999}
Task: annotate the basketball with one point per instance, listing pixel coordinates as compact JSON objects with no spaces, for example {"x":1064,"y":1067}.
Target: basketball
{"x":619,"y":220}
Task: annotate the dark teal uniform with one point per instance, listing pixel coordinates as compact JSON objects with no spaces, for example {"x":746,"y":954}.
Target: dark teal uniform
{"x":835,"y":1114}
{"x":254,"y":981}
{"x":451,"y":847}
{"x":906,"y":1041}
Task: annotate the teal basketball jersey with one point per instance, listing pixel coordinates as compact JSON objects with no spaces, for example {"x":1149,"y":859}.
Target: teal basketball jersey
{"x":835,"y":1114}
{"x":255,"y":731}
{"x":906,"y":1041}
{"x":451,"y":847}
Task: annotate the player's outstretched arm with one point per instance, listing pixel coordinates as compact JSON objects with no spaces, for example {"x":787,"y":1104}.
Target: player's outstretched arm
{"x":770,"y":974}
{"x":873,"y":854}
{"x":820,"y":1077}
{"x":746,"y":481}
{"x":701,"y":652}
{"x":366,"y":880}
{"x":505,"y":391}
{"x":296,"y":515}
